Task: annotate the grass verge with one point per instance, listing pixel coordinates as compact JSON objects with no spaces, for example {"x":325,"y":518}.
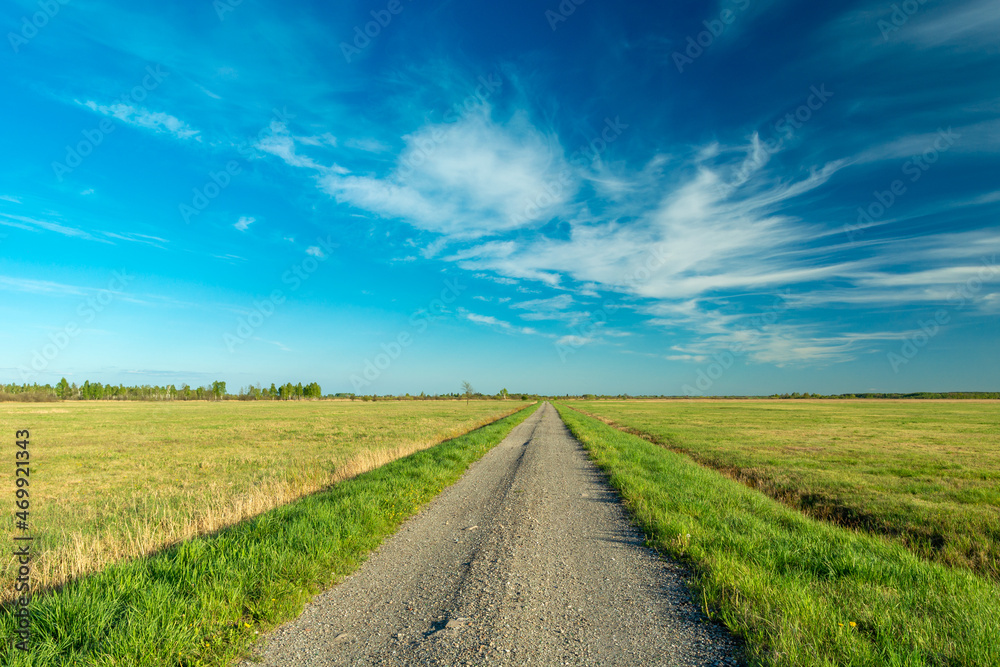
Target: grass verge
{"x":205,"y":601}
{"x":798,"y":590}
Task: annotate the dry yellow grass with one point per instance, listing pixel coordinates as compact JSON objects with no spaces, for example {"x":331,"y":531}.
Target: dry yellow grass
{"x":115,"y":481}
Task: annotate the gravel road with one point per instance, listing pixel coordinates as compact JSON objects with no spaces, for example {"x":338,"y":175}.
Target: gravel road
{"x":529,"y":559}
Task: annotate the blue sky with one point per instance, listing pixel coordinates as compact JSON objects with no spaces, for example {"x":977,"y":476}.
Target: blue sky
{"x":741,"y":197}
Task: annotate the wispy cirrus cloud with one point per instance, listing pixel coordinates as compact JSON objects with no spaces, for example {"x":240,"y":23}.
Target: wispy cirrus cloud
{"x":155,"y":241}
{"x":37,"y":224}
{"x":496,"y":323}
{"x":969,"y":22}
{"x":279,"y":142}
{"x":707,"y":238}
{"x":278,"y":344}
{"x":473,"y":177}
{"x":156,"y":121}
{"x":31,"y":286}
{"x":712,"y":221}
{"x":244,"y":223}
{"x":686,"y":228}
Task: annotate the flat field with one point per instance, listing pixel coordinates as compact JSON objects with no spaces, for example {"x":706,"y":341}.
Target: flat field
{"x":925,"y":473}
{"x":112,"y":481}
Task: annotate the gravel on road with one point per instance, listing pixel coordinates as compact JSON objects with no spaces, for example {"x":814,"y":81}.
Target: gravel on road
{"x":529,"y":559}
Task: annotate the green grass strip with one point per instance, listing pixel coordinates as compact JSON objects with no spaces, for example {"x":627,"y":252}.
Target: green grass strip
{"x":799,"y":591}
{"x":202,"y":602}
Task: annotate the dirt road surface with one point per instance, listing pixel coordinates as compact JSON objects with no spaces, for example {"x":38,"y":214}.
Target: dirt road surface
{"x":529,"y":559}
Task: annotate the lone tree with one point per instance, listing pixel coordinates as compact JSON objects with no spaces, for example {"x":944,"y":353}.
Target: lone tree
{"x":467,"y":390}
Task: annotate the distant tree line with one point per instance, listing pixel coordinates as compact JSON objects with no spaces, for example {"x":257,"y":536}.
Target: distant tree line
{"x":96,"y":391}
{"x":216,"y":391}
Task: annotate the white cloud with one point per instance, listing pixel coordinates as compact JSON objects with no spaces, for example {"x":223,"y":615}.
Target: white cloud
{"x":151,"y":120}
{"x":485,"y":319}
{"x":41,"y":286}
{"x":555,"y":308}
{"x":984,"y":273}
{"x":496,"y":324}
{"x":315,"y":251}
{"x":154,"y":241}
{"x":469,"y":178}
{"x":560,"y":302}
{"x":808,"y":345}
{"x":980,"y":137}
{"x":34,"y":224}
{"x":978,"y":20}
{"x":209,"y":93}
{"x":672,"y":236}
{"x":244,"y":223}
{"x":497,"y":279}
{"x":325,"y":139}
{"x":688,"y":357}
{"x":280,"y":143}
{"x":690,"y":240}
{"x":281,"y":346}
{"x":698,"y":238}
